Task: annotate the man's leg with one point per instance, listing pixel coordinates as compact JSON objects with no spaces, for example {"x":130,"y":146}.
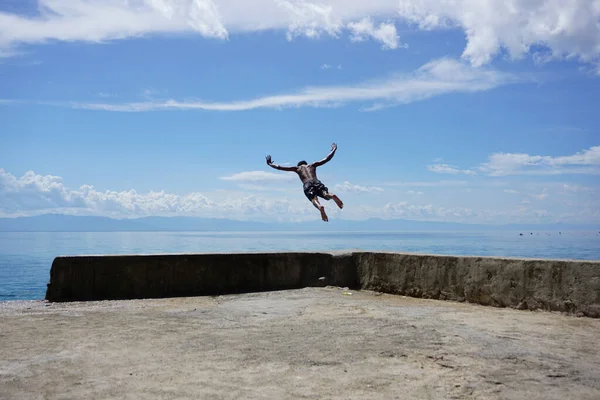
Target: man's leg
{"x":319,"y":207}
{"x":324,"y":193}
{"x":328,"y":196}
{"x":337,"y":200}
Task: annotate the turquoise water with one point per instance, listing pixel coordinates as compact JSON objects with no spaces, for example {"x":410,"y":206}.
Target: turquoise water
{"x":25,"y":257}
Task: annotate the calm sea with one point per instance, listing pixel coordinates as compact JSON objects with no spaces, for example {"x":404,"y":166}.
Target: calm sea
{"x":25,"y":257}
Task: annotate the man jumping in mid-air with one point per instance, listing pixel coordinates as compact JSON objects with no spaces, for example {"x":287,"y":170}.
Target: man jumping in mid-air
{"x":313,"y":187}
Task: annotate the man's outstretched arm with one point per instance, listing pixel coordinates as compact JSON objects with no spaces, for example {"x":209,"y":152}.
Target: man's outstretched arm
{"x":279,"y":167}
{"x":329,"y":156}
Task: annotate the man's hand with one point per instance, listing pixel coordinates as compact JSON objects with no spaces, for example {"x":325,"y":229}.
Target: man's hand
{"x":333,"y":147}
{"x":269,"y":161}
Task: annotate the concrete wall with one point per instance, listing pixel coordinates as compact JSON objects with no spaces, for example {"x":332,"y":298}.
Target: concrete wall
{"x":569,"y":286}
{"x":146,"y":276}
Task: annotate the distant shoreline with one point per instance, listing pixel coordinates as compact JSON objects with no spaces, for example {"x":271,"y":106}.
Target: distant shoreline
{"x":70,"y":223}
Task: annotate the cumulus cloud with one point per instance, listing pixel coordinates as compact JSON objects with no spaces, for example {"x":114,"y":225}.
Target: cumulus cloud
{"x":436,"y":78}
{"x":384,"y":33}
{"x":584,"y":162}
{"x":33,"y":194}
{"x":449,"y":169}
{"x":349,"y":187}
{"x":563,"y":29}
{"x":107,"y":20}
{"x":554,"y":29}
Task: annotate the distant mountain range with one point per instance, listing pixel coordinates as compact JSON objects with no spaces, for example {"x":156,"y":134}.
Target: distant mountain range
{"x":70,"y":223}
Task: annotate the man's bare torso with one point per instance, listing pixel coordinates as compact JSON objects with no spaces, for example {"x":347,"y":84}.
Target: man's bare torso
{"x":307,"y":172}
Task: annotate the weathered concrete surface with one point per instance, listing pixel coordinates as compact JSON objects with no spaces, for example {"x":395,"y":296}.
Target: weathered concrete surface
{"x":556,"y":285}
{"x":308,"y":343}
{"x":177,"y":275}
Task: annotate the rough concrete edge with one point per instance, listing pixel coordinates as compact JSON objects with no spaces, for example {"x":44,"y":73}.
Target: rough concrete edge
{"x":65,"y":284}
{"x":590,"y":310}
{"x":390,"y":279}
{"x":331,"y":252}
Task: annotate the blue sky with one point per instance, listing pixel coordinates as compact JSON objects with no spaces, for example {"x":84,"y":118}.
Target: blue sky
{"x":455,"y":111}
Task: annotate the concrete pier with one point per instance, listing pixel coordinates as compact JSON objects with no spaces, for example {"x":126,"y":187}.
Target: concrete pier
{"x":311,"y":343}
{"x":553,"y":285}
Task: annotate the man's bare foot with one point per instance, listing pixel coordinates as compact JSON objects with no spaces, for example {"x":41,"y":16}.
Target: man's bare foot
{"x":323,"y":215}
{"x":337,"y":201}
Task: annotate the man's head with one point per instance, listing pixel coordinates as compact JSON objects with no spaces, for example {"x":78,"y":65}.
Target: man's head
{"x":302,"y":163}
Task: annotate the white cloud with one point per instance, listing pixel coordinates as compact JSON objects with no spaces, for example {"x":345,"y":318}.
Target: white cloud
{"x":449,"y":169}
{"x":349,"y":187}
{"x":106,"y":20}
{"x":510,"y":191}
{"x":259,"y":176}
{"x":570,"y":188}
{"x":102,"y":20}
{"x":540,"y":196}
{"x":444,"y":183}
{"x":325,"y":66}
{"x":385,"y":33}
{"x":310,"y":19}
{"x":584,"y":162}
{"x":414,"y":193}
{"x":436,"y":78}
{"x":426,"y":212}
{"x":267,"y":189}
{"x":33,"y":194}
{"x":565,"y":29}
{"x":561,"y":29}
{"x":543,"y":195}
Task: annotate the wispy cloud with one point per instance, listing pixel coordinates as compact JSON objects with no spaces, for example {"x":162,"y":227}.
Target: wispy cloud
{"x":349,"y":187}
{"x":385,"y":33}
{"x":571,"y":188}
{"x":268,"y":188}
{"x":310,"y":19}
{"x":540,"y":196}
{"x":436,"y":78}
{"x":100,"y":20}
{"x":429,"y":212}
{"x":584,"y":162}
{"x":449,"y":169}
{"x":258,"y":176}
{"x":443,"y":183}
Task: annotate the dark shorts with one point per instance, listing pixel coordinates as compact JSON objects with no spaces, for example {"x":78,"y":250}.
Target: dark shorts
{"x":315,"y":188}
